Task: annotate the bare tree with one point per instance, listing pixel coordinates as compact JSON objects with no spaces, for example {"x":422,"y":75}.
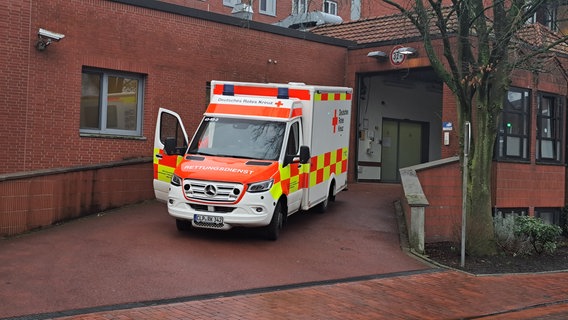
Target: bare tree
{"x":469,"y":46}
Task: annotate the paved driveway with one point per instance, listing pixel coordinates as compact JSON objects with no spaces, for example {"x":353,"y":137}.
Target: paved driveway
{"x":135,"y":254}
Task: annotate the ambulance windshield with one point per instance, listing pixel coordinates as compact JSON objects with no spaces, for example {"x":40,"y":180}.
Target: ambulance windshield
{"x":239,"y":138}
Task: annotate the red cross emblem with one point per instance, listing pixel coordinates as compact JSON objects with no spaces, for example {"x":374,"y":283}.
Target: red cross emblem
{"x":334,"y":120}
{"x":279,"y":104}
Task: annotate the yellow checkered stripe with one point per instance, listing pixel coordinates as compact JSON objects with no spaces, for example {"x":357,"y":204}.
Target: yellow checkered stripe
{"x":324,"y":165}
{"x":289,"y":179}
{"x":164,"y":168}
{"x":332,"y":96}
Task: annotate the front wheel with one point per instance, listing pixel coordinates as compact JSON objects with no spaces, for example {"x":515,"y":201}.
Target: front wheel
{"x":272,"y":231}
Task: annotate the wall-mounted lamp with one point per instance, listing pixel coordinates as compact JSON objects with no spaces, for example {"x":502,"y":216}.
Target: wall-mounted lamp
{"x":377,"y":55}
{"x":46,"y":37}
{"x":406,"y":51}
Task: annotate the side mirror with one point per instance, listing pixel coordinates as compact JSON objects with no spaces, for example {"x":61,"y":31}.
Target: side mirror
{"x":304,"y":154}
{"x":170,"y":146}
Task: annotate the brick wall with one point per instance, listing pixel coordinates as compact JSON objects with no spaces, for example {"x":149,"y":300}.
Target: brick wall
{"x":443,"y":189}
{"x":518,"y":185}
{"x":36,"y":200}
{"x":177,"y":55}
{"x":515,"y":185}
{"x":367,"y":8}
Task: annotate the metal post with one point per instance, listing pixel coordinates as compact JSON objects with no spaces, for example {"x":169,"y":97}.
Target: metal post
{"x":466,"y":143}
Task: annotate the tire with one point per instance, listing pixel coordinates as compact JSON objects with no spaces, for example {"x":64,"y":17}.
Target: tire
{"x":183,"y":225}
{"x":322,"y":206}
{"x":272,"y":231}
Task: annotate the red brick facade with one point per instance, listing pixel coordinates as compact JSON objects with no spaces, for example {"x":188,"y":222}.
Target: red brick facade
{"x":367,"y":8}
{"x":42,"y":90}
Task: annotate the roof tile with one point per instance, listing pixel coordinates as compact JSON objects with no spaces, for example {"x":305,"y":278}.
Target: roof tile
{"x":399,"y":28}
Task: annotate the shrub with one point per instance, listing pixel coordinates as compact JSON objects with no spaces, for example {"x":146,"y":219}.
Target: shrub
{"x":564,"y":221}
{"x":543,"y":237}
{"x":507,"y":239}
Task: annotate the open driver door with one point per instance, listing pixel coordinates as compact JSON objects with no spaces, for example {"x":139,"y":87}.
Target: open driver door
{"x":170,"y":132}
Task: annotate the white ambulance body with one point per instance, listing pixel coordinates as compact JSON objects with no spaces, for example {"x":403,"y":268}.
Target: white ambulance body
{"x":261,"y":153}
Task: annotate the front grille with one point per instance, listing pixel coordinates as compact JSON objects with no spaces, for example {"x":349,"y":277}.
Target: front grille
{"x":208,"y":225}
{"x":216,"y":209}
{"x":211,"y":190}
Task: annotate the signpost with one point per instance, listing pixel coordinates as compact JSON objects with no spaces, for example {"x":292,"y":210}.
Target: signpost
{"x":466,"y":144}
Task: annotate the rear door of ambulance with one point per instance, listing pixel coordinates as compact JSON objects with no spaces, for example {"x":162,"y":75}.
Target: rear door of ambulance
{"x":168,"y":125}
{"x":329,"y":143}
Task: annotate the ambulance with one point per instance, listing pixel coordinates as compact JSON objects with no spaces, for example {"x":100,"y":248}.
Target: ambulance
{"x":261,"y":153}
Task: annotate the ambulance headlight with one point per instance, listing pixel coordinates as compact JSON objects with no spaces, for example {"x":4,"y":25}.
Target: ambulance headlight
{"x":176,"y":180}
{"x":260,"y":186}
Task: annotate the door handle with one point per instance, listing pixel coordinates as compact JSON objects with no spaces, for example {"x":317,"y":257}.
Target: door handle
{"x":159,"y":156}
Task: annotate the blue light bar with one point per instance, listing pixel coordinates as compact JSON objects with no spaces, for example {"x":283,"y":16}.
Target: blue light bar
{"x":283,"y":93}
{"x":228,"y":89}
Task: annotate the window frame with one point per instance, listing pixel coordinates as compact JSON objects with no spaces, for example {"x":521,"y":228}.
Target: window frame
{"x":555,"y":124}
{"x":507,"y":211}
{"x":553,"y":212}
{"x":503,"y":137}
{"x":270,"y":9}
{"x":328,"y":2}
{"x":299,"y":4}
{"x":550,"y":15}
{"x":103,"y":103}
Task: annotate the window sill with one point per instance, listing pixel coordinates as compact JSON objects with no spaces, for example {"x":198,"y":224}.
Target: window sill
{"x":111,"y":136}
{"x":509,"y":160}
{"x":549,"y":163}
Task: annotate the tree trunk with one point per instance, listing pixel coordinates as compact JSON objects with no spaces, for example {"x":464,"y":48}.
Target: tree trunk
{"x":480,"y":232}
{"x":479,"y":223}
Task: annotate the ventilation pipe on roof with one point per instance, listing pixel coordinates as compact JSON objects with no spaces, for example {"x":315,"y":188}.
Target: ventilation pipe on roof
{"x":308,"y":20}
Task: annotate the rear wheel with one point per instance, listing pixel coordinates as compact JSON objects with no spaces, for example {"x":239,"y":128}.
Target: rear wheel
{"x":183,"y":225}
{"x":322,"y":207}
{"x":272,"y":231}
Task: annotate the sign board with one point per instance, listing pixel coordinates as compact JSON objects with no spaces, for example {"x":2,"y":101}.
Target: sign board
{"x":397,"y":58}
{"x":447,"y":126}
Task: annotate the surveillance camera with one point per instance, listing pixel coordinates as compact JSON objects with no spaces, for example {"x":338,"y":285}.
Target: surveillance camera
{"x":53,"y":36}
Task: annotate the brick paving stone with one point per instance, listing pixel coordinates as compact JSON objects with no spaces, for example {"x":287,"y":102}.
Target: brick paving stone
{"x":434,"y":295}
{"x":548,"y":312}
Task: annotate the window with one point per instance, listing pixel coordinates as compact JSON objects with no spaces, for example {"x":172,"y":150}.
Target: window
{"x":230,"y":3}
{"x":553,"y":14}
{"x":267,"y":7}
{"x":550,"y":215}
{"x":549,"y":129}
{"x":513,"y":136}
{"x":299,"y":6}
{"x":293,"y":145}
{"x":330,"y":7}
{"x":170,"y":127}
{"x":505,"y":212}
{"x":111,"y":103}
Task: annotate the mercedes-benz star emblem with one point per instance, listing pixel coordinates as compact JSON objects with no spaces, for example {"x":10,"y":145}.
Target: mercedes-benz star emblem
{"x":210,"y":190}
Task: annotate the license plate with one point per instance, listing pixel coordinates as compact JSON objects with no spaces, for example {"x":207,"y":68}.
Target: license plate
{"x":199,"y":218}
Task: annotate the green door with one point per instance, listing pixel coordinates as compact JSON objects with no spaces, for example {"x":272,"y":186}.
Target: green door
{"x":401,"y":147}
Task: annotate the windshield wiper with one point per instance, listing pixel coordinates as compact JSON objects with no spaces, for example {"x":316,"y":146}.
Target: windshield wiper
{"x":205,"y":154}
